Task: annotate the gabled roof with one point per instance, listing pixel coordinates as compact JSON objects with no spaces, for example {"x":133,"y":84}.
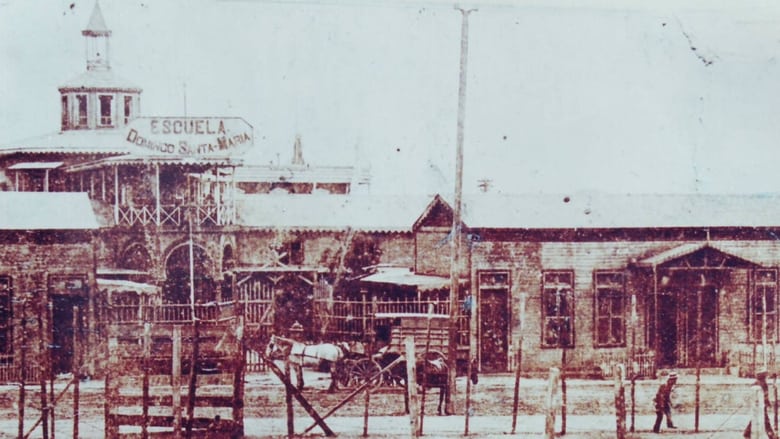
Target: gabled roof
{"x":690,"y":248}
{"x":103,"y":141}
{"x":46,"y":211}
{"x":326,"y":212}
{"x":407,"y":278}
{"x":605,"y":211}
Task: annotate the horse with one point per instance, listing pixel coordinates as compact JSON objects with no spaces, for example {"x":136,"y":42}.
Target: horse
{"x":296,"y":354}
{"x":431,"y":373}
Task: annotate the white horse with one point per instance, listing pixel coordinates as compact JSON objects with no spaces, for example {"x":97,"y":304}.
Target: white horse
{"x":296,"y":354}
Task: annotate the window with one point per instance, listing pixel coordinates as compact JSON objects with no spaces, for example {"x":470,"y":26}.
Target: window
{"x":558,"y":309}
{"x":6,"y":316}
{"x":65,"y":113}
{"x":82,"y":104}
{"x":765,"y":304}
{"x":610,"y":309}
{"x":128,"y":108}
{"x":105,"y":110}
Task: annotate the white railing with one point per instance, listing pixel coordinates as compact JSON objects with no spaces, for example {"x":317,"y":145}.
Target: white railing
{"x":174,"y":215}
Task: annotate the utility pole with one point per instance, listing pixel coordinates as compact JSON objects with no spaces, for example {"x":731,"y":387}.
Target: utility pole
{"x":455,"y":235}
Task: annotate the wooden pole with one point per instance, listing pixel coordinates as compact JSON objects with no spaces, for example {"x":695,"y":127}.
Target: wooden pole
{"x":147,"y":346}
{"x":365,"y":412}
{"x":632,"y":360}
{"x":472,"y":314}
{"x":50,"y":336}
{"x":288,"y":403}
{"x":552,"y":390}
{"x":157,"y":194}
{"x":698,"y":361}
{"x":176,"y":380}
{"x":411,"y":386}
{"x":43,"y":361}
{"x":238,"y":378}
{"x":620,"y":402}
{"x":757,"y":428}
{"x":519,"y":365}
{"x":452,"y":353}
{"x":425,"y":359}
{"x":109,"y":430}
{"x":23,"y":365}
{"x":192,"y":390}
{"x":563,"y":391}
{"x":116,"y":195}
{"x":75,"y":370}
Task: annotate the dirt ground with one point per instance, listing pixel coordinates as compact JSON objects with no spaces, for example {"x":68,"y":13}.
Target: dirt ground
{"x":589,"y":405}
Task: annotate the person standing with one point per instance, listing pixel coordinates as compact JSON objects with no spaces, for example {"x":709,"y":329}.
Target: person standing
{"x":663,"y":403}
{"x":761,"y":382}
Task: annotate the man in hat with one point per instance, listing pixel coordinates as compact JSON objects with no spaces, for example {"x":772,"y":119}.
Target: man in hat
{"x":761,"y":382}
{"x":663,"y":403}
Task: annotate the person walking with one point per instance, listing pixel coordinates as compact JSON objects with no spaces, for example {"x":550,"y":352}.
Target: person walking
{"x":663,"y":403}
{"x":761,"y":382}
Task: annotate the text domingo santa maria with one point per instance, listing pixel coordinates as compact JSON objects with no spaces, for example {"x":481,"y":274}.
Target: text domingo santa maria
{"x":190,"y":136}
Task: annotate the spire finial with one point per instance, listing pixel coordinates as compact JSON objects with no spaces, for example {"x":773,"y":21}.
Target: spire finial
{"x":298,"y":152}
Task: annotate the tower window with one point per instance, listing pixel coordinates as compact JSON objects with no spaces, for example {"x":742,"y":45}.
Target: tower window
{"x":128,"y":108}
{"x":82,"y":103}
{"x":65,"y":112}
{"x":105,"y":110}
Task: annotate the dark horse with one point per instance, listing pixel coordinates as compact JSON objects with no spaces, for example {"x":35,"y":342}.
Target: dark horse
{"x":432,"y":373}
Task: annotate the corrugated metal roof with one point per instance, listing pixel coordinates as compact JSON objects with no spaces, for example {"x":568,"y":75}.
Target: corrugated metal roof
{"x":46,"y":211}
{"x":140,"y":159}
{"x":312,"y":212}
{"x":405,"y":277}
{"x":604,"y":211}
{"x":35,"y":165}
{"x":121,"y":286}
{"x":108,"y":141}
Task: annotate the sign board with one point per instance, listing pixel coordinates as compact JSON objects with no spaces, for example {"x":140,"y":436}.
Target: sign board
{"x":190,"y":136}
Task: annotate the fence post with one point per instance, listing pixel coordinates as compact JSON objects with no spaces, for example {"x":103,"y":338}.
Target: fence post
{"x":147,"y":346}
{"x":42,"y":362}
{"x":176,"y":381}
{"x":411,"y":385}
{"x":288,"y":401}
{"x":75,"y":370}
{"x":365,"y":412}
{"x":756,"y":412}
{"x":519,"y":365}
{"x":620,"y":401}
{"x":552,"y":391}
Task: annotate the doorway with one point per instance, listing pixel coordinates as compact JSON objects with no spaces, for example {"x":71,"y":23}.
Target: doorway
{"x":688,"y":323}
{"x":493,"y":330}
{"x":63,"y":343}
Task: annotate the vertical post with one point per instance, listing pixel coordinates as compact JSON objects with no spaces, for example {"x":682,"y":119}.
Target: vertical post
{"x":116,"y":195}
{"x":238,"y":379}
{"x":176,"y":381}
{"x":103,"y":184}
{"x":42,"y":362}
{"x":52,"y":396}
{"x":46,"y":181}
{"x":23,"y":365}
{"x":763,"y":328}
{"x":157,"y":194}
{"x":472,"y":315}
{"x":110,"y":392}
{"x":632,"y":360}
{"x":698,"y":361}
{"x":552,"y":390}
{"x":192,"y":269}
{"x":218,"y":196}
{"x":563,"y":390}
{"x":191,"y":391}
{"x":147,"y":346}
{"x":288,"y":401}
{"x":455,"y":237}
{"x":620,"y":402}
{"x":519,"y":366}
{"x":425,"y":359}
{"x":365,"y":412}
{"x":75,"y":370}
{"x":411,"y":385}
{"x":757,"y":428}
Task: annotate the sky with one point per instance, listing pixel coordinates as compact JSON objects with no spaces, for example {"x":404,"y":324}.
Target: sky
{"x":562,"y":96}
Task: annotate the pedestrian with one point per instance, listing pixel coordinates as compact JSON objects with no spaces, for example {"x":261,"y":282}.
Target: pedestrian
{"x":663,"y":403}
{"x":761,"y":382}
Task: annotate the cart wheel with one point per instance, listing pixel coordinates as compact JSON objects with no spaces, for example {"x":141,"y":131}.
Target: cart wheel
{"x":435,"y":355}
{"x":343,"y":372}
{"x":364,"y":370}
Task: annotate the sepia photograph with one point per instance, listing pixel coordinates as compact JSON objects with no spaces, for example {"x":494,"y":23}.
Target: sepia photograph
{"x":389,"y":218}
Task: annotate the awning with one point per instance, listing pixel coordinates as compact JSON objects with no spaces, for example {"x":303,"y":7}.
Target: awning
{"x":123,"y":286}
{"x":406,"y":278}
{"x":164,"y":160}
{"x":35,"y":165}
{"x":102,"y":271}
{"x":687,"y":249}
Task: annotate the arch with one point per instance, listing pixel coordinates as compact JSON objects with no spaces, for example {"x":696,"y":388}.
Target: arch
{"x":135,"y":257}
{"x":228,"y":258}
{"x":176,"y":288}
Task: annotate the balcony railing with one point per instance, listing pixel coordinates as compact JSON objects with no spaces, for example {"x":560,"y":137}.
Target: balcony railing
{"x":174,"y":215}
